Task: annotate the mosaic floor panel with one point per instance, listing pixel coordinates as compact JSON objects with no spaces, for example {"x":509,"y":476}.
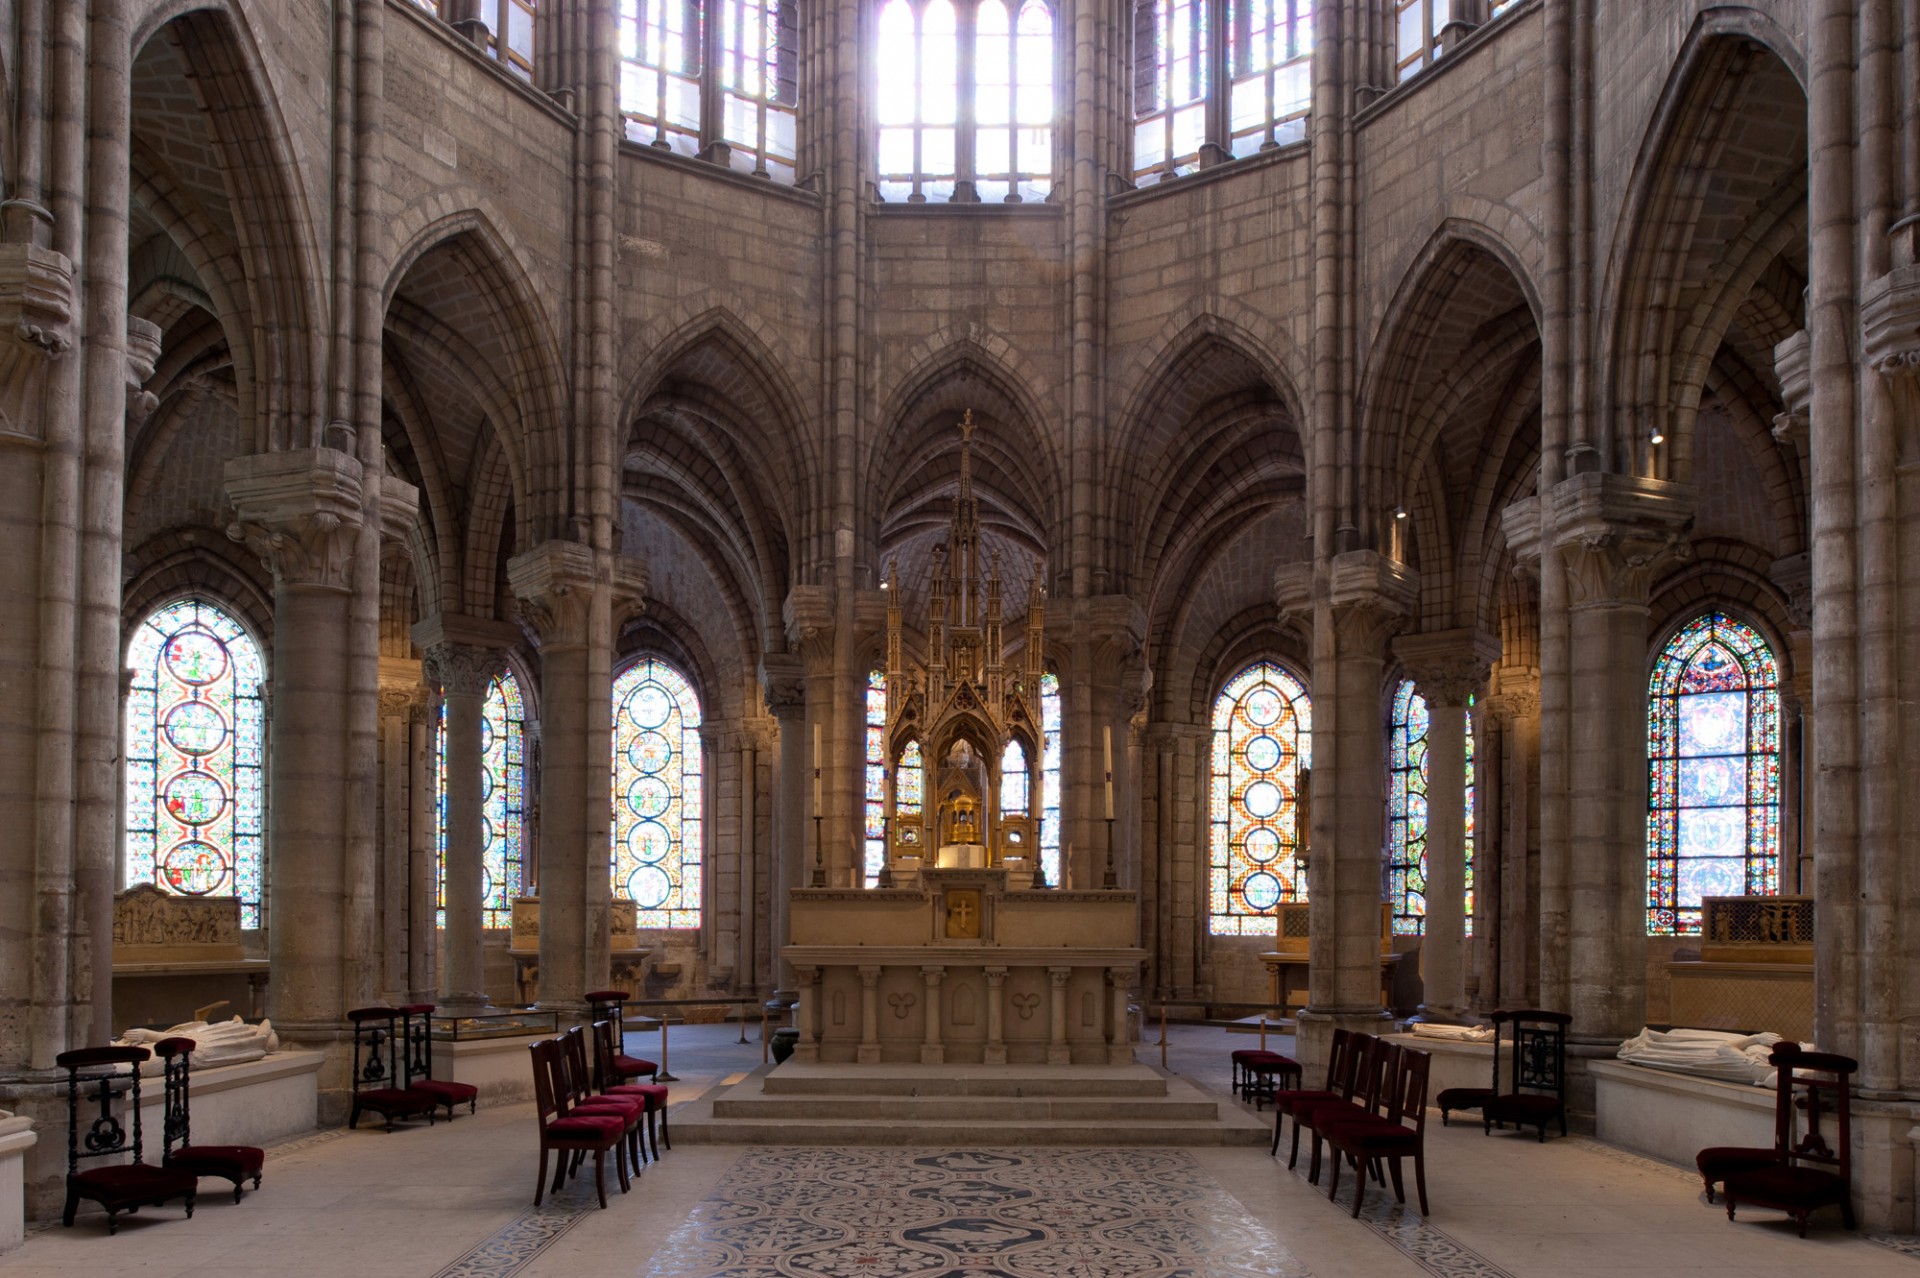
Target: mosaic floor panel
{"x":986,"y":1213}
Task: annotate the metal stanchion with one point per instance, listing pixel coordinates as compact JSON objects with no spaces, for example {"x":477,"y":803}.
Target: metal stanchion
{"x":763,"y":1033}
{"x":1163,"y":1035}
{"x":664,"y":1076}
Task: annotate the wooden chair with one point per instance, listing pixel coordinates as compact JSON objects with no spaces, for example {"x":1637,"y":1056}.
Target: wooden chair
{"x":606,"y":1079}
{"x":610,"y":1005}
{"x":566,"y":1131}
{"x":1536,"y":1091}
{"x":123,"y":1186}
{"x":577,"y":1056}
{"x":1340,"y":1064}
{"x":237,"y":1163}
{"x":1242,"y":1078}
{"x":379,"y":1070}
{"x":1378,"y":1065}
{"x":1806,"y":1173}
{"x":1269,"y":1074}
{"x":1367,"y":1141}
{"x":417,"y":1051}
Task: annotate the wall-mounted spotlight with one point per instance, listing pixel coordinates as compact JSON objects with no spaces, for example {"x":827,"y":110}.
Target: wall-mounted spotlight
{"x":1399,"y":512}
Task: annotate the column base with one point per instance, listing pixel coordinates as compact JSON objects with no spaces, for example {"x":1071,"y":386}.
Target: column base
{"x":1059,"y":1055}
{"x":933,"y":1054}
{"x":1440,"y":1016}
{"x":867,"y":1054}
{"x":995,"y":1054}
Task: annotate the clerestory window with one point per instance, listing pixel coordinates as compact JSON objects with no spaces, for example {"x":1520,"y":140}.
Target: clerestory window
{"x":713,"y":78}
{"x":964,"y":101}
{"x":1217,"y":79}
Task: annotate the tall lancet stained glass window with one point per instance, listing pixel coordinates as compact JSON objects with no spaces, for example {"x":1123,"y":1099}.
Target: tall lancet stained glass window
{"x":1407,"y":811}
{"x":195,"y":750}
{"x":658,"y":802}
{"x":875,"y":846}
{"x":503,"y":803}
{"x":1713,"y":752}
{"x":1262,"y":738}
{"x":1050,"y":776}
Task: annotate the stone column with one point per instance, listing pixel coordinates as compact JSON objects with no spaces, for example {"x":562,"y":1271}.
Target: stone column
{"x":807,"y":1019}
{"x":400,"y":688}
{"x":783,"y":682}
{"x":422,"y":968}
{"x":995,"y":1052}
{"x":464,"y":673}
{"x":1058,"y":1053}
{"x":1612,"y":533}
{"x":301,"y":511}
{"x":869,"y":1053}
{"x":1119,"y":1043}
{"x":1446,"y":668}
{"x":569,"y":594}
{"x":1517,"y":712}
{"x":1367,"y":598}
{"x":933,"y":1051}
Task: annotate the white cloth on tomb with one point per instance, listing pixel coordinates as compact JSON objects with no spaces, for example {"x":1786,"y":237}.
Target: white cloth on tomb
{"x":1454,"y":1033}
{"x":962,"y":856}
{"x":231,"y":1042}
{"x":1736,"y":1058}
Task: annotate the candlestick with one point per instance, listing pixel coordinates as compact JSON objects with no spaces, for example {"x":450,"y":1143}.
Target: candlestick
{"x":1107,"y":742}
{"x":816,"y":770}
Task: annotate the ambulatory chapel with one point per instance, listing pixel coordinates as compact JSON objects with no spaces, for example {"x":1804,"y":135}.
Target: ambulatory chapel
{"x":1077,"y":571}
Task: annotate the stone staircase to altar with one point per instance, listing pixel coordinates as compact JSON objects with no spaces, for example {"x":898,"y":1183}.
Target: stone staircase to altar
{"x":966,"y":1105}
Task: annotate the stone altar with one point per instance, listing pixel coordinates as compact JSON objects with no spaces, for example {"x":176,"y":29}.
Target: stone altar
{"x":964,"y":968}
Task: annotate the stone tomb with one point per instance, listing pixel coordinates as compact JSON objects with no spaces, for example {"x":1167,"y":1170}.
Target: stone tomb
{"x":174,"y":954}
{"x":964,"y":968}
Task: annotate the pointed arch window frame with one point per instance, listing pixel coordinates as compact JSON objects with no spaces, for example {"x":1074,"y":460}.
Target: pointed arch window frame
{"x":177,"y":739}
{"x":659,"y":781}
{"x":1264,"y":702}
{"x":1690,"y":708}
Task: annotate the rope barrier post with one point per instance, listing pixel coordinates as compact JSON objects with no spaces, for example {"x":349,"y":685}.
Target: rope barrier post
{"x":1263,"y":1034}
{"x":1163,"y":1034}
{"x":664,"y":1076}
{"x":763,"y":1033}
{"x":743,"y":1030}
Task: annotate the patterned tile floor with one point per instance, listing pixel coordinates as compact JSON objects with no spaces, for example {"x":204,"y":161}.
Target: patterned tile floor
{"x":985,"y":1213}
{"x":455,"y":1200}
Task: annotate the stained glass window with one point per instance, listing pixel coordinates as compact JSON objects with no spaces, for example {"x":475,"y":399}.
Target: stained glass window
{"x":509,"y":34}
{"x":964,"y":94}
{"x":1186,"y":52}
{"x":876,"y":775}
{"x":195,"y":750}
{"x":1407,"y":811}
{"x":1050,"y":776}
{"x":911,"y":783}
{"x":1466,"y":845}
{"x":657,"y":794}
{"x":1014,"y":782}
{"x":749,"y":66}
{"x":503,"y":805}
{"x":1713,"y":750}
{"x":1262,"y":737}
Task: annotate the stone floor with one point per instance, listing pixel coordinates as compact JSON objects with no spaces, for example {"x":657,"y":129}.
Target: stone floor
{"x":457,"y":1200}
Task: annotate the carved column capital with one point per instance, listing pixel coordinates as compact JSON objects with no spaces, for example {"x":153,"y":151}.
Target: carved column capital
{"x":1613,"y":533}
{"x":300,"y":511}
{"x":1448,"y":666}
{"x":1890,"y":324}
{"x":783,"y":681}
{"x":1371,"y":597}
{"x":1520,"y":524}
{"x":1293,"y":597}
{"x":808,"y":617}
{"x":555,"y":584}
{"x":460,"y":669}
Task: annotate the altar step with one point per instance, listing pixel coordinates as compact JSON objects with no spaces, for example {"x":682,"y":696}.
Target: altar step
{"x":965,"y":1105}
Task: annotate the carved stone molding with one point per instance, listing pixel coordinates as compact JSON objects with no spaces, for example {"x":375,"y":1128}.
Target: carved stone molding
{"x":1371,"y":597}
{"x":37,"y":299}
{"x":554,"y":584}
{"x":300,"y":512}
{"x":1890,"y":324}
{"x":783,"y":681}
{"x":460,"y":669}
{"x":1614,"y":533}
{"x":1293,"y":597}
{"x":808,"y":617}
{"x":398,"y":702}
{"x":1448,"y":666}
{"x":399,"y":507}
{"x":1520,"y":523}
{"x":1793,"y":366}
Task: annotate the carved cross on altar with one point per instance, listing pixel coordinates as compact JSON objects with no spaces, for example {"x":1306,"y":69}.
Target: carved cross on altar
{"x":963,"y":914}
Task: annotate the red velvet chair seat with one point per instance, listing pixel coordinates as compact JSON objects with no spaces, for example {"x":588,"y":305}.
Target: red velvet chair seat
{"x":231,"y":1162}
{"x":633,"y":1066}
{"x":592,"y":1126}
{"x":1369,"y":1134}
{"x":1717,"y":1162}
{"x":1242,"y":1059}
{"x":1452,"y":1098}
{"x":132,"y":1184}
{"x":1520,"y":1107}
{"x":1764,"y":1186}
{"x":1265,"y":1075}
{"x":448,"y":1093}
